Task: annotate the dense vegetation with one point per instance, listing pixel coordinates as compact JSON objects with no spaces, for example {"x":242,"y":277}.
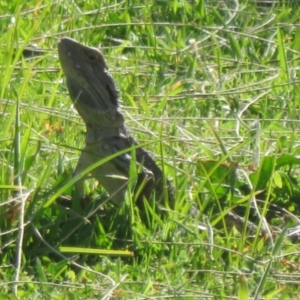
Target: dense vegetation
{"x":211,"y":88}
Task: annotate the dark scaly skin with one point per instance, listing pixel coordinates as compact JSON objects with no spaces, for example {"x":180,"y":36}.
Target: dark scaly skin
{"x":96,"y":98}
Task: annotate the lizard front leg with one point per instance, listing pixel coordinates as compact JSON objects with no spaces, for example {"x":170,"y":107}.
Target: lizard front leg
{"x":113,"y":174}
{"x":83,"y":163}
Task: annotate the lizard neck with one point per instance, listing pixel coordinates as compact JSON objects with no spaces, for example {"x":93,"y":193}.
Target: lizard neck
{"x":95,"y":133}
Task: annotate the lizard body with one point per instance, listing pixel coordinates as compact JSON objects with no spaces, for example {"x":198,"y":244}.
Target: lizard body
{"x":96,"y":98}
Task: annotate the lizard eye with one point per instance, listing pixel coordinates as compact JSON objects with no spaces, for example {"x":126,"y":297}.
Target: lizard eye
{"x":92,"y":56}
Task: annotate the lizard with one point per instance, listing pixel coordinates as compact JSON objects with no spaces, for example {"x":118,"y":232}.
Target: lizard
{"x":95,"y":96}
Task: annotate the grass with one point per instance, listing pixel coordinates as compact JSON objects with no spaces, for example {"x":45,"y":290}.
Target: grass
{"x":211,"y":88}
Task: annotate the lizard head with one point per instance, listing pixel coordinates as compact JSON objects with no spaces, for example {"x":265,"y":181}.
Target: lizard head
{"x":91,"y":86}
